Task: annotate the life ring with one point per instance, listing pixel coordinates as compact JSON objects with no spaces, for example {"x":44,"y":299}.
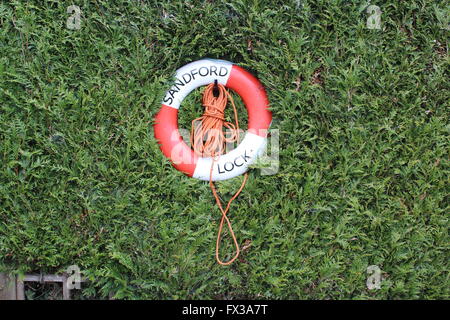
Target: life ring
{"x":253,"y":94}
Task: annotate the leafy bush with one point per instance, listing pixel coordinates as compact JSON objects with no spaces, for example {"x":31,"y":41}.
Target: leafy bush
{"x":363,"y":119}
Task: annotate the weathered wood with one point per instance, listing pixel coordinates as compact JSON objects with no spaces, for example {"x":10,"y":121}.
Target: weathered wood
{"x":12,"y":288}
{"x":66,"y":290}
{"x":7,"y":287}
{"x":45,"y":278}
{"x":20,"y":288}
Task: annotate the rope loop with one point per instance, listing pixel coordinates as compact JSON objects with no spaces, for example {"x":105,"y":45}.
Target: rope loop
{"x":209,"y":140}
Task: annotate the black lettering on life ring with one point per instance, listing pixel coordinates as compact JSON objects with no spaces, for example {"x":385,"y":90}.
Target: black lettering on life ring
{"x":200,"y":71}
{"x":167,"y":100}
{"x":171,"y":92}
{"x":213,"y":69}
{"x":223,"y":69}
{"x":229,"y":166}
{"x":179,"y":83}
{"x":225,"y":166}
{"x":245,"y":156}
{"x":184,"y":79}
{"x":238,"y":165}
{"x":187,"y":77}
{"x":193,"y":73}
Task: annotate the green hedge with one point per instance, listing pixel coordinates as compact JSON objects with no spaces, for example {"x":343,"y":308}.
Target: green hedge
{"x":363,"y":119}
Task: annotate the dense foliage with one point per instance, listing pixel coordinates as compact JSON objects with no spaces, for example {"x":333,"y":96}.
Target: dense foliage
{"x":363,"y":116}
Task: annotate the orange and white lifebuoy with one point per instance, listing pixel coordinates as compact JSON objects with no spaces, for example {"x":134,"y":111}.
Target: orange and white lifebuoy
{"x":251,"y":91}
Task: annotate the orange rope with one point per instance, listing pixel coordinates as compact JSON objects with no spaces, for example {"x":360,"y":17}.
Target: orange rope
{"x":208,"y":140}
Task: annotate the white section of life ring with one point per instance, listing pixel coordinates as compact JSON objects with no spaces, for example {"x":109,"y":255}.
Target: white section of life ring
{"x":233,"y":163}
{"x":196,"y":74}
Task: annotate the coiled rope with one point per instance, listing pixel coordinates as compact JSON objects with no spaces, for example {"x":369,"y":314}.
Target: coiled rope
{"x":209,"y":140}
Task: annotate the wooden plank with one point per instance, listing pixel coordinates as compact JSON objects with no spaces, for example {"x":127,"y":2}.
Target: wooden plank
{"x":45,"y":278}
{"x":11,"y":288}
{"x":66,"y":290}
{"x":20,"y":289}
{"x":7,"y":287}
